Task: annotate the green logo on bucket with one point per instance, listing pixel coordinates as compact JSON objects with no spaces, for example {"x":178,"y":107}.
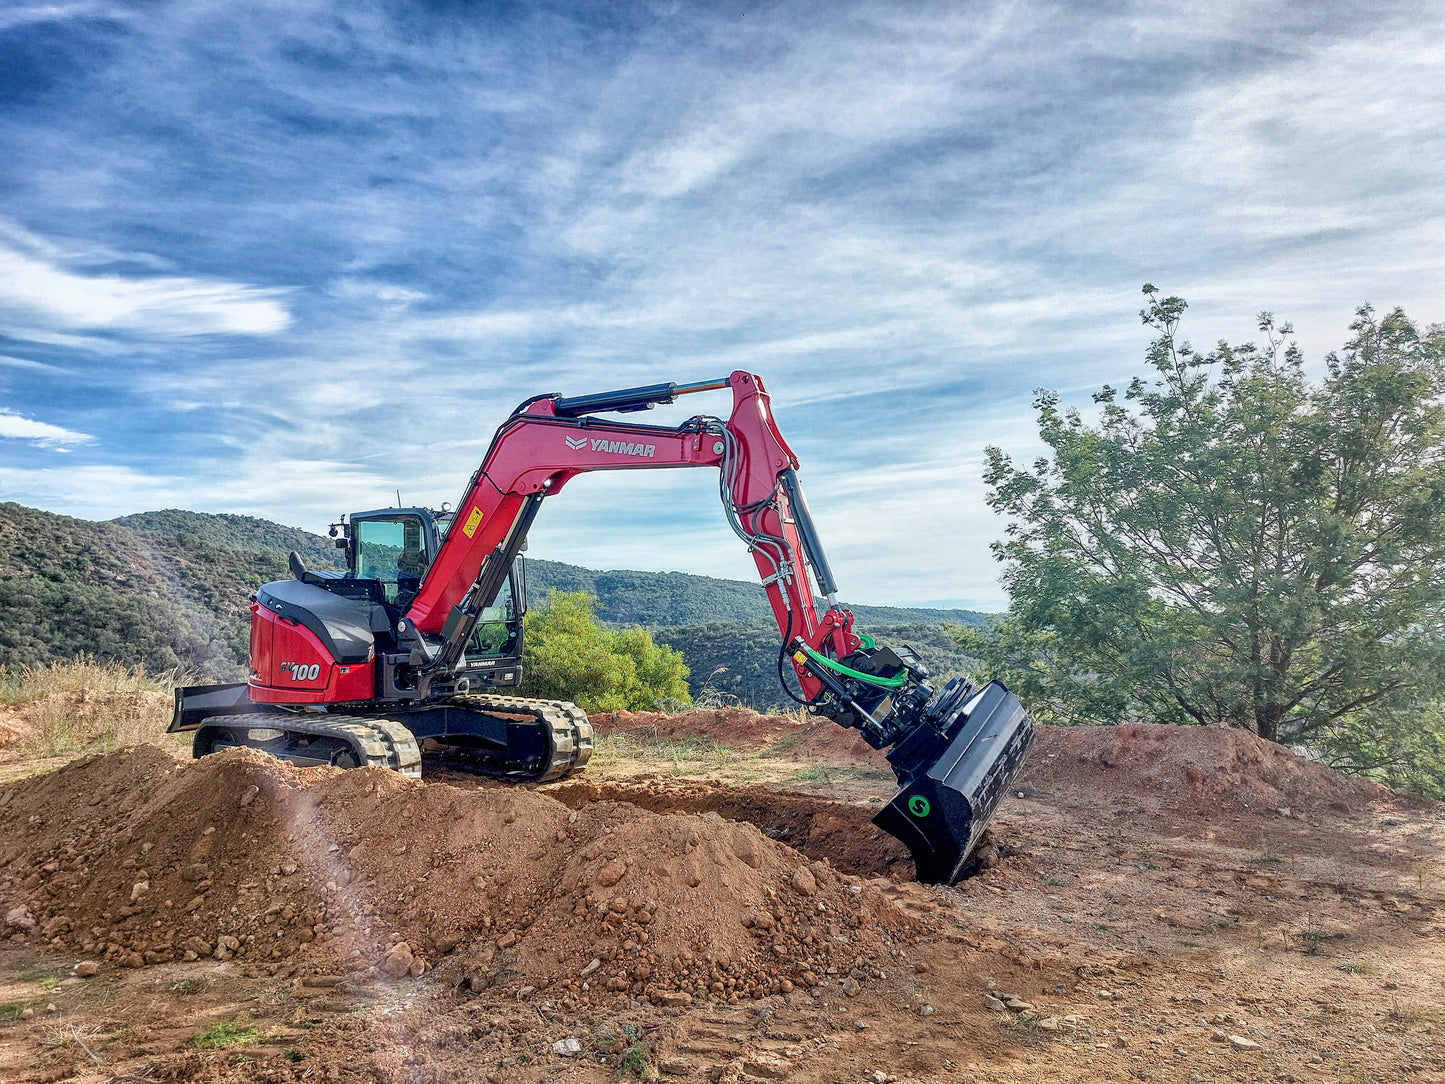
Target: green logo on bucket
{"x":918,"y":806}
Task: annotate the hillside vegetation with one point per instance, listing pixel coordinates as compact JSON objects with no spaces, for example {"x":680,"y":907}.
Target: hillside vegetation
{"x":171,"y":589}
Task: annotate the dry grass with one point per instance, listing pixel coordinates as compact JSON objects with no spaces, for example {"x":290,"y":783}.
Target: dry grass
{"x":688,"y":755}
{"x":22,"y":684}
{"x":83,"y":706}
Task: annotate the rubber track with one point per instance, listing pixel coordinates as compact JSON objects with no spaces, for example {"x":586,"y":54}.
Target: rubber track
{"x":569,"y":731}
{"x":378,"y":743}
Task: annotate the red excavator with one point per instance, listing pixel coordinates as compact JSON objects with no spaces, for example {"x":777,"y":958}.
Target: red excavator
{"x":411,"y":641}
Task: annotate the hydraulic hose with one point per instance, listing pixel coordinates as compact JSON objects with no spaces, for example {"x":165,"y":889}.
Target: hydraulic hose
{"x":847,"y":671}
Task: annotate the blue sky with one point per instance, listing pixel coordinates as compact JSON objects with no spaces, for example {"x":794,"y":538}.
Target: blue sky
{"x":286,"y":259}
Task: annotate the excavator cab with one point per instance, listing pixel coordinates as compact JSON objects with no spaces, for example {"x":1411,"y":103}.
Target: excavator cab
{"x":394,"y":547}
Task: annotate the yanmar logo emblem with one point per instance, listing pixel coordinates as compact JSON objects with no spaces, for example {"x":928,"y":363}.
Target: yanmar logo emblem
{"x":621,"y":447}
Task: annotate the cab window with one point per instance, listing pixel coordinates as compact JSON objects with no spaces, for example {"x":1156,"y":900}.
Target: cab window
{"x":392,"y":550}
{"x":496,"y":628}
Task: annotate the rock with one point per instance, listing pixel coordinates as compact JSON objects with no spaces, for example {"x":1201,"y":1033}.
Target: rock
{"x":593,"y":966}
{"x":398,"y":961}
{"x":1239,"y":1042}
{"x":803,"y":882}
{"x":1218,"y":1036}
{"x":851,"y":987}
{"x":249,"y":794}
{"x":288,"y":868}
{"x":1017,"y":1004}
{"x":993,"y":1004}
{"x":26,"y":1014}
{"x":925,"y":1010}
{"x":507,"y":940}
{"x":85,"y":969}
{"x":673,"y":999}
{"x":675,"y":1067}
{"x":567,"y":1048}
{"x":1049,"y":1023}
{"x":767,"y":1068}
{"x":611,"y":873}
{"x":21,"y":918}
{"x":199,"y":945}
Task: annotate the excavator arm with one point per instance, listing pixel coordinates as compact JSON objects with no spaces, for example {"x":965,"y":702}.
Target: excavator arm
{"x":954,"y":752}
{"x":550,"y":440}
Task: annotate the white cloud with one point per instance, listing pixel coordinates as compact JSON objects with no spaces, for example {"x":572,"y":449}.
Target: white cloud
{"x":20,"y":14}
{"x":34,"y":290}
{"x":18,"y":427}
{"x":89,"y":491}
{"x":26,"y":363}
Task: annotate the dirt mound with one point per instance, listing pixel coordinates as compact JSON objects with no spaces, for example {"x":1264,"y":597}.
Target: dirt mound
{"x":142,"y":859}
{"x":1189,"y":768}
{"x":842,"y":833}
{"x":745,"y":729}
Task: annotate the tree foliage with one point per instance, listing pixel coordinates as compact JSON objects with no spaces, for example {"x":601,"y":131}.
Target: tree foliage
{"x":570,"y":655}
{"x":1233,"y":543}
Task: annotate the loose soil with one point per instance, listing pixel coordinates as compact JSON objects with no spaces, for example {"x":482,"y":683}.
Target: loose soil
{"x":1164,"y":903}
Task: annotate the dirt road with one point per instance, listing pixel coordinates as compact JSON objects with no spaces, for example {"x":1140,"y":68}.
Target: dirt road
{"x":709,"y":901}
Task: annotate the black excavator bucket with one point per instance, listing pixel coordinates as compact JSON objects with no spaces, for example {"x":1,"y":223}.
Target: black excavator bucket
{"x":953,"y":776}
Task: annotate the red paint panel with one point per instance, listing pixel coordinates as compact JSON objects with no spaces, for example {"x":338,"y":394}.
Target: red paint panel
{"x":290,"y":665}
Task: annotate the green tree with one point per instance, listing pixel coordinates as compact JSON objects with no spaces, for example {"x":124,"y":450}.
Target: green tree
{"x":570,"y":655}
{"x":1233,"y":543}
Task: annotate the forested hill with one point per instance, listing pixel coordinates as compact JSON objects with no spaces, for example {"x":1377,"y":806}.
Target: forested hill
{"x":679,"y":598}
{"x":172,"y":588}
{"x":233,"y":532}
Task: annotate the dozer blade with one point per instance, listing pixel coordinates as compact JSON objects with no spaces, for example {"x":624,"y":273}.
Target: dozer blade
{"x":953,"y":778}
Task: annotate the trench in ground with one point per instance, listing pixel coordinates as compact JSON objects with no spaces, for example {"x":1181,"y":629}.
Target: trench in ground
{"x":840,"y":832}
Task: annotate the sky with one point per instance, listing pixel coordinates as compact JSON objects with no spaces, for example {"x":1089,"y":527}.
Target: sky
{"x":292,"y":259}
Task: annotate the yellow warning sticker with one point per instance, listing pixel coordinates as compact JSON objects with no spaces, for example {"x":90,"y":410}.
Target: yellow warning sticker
{"x":470,"y":528}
